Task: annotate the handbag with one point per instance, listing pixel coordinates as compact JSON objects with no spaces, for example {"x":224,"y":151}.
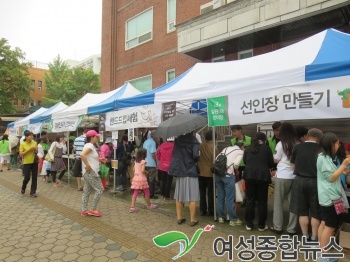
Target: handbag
{"x":104,"y":171}
{"x":240,"y":194}
{"x":48,"y":157}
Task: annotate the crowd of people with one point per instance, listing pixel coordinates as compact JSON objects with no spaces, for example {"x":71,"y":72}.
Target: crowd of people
{"x":308,"y":169}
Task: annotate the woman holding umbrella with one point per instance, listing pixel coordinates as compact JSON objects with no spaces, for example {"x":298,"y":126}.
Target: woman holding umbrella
{"x":184,"y":167}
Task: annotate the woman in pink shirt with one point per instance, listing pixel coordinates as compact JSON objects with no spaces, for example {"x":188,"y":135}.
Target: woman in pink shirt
{"x":164,"y":156}
{"x":105,"y":152}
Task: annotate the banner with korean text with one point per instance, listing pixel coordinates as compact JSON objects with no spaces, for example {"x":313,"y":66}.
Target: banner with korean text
{"x":217,"y":111}
{"x":34,"y":128}
{"x":142,"y":116}
{"x":64,"y":125}
{"x":320,"y":99}
{"x":14,"y":131}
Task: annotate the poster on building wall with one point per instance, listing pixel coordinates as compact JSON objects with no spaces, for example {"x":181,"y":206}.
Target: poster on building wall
{"x":142,"y":116}
{"x":168,"y":110}
{"x":322,"y":99}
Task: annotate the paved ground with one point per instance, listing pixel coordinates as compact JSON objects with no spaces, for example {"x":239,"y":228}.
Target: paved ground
{"x":50,"y":228}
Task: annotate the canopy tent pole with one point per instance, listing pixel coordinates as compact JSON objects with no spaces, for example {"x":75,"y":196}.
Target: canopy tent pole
{"x":214,"y":187}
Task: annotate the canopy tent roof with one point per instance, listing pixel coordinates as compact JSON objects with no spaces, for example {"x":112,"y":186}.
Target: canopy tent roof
{"x":127,"y":90}
{"x":25,"y":121}
{"x":89,"y":100}
{"x":324,"y":55}
{"x":45,"y":116}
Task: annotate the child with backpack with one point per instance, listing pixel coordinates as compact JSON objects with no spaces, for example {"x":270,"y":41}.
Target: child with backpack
{"x":224,"y":169}
{"x":139,"y":181}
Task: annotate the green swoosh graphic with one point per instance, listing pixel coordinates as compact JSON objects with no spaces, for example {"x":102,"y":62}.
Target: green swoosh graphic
{"x":169,"y":238}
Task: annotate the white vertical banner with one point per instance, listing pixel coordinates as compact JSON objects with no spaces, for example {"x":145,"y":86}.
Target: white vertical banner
{"x":322,"y":99}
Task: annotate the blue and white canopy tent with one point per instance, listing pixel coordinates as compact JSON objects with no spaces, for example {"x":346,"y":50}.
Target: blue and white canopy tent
{"x":46,"y":116}
{"x":69,"y":118}
{"x":306,"y":80}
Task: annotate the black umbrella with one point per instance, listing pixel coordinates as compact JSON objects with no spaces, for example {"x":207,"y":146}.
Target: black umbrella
{"x":180,"y":124}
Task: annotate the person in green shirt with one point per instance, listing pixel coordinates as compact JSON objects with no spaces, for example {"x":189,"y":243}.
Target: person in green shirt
{"x":28,"y":151}
{"x":239,"y":137}
{"x":46,"y":143}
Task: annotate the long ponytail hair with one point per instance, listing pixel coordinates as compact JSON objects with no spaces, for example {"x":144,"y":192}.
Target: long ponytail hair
{"x":289,"y":138}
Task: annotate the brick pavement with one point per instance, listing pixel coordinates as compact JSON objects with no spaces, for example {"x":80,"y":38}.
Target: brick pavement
{"x":50,"y":228}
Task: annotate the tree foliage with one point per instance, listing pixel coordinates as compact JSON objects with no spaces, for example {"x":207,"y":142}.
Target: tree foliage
{"x":69,"y":85}
{"x":15,"y":83}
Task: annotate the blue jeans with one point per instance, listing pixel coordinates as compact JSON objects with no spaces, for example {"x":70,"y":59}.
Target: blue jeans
{"x":226,"y":191}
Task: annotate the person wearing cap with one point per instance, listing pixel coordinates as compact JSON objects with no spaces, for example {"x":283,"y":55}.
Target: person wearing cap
{"x":78,"y":146}
{"x":106,"y":152}
{"x":91,"y":168}
{"x":151,"y":165}
{"x":30,"y":169}
{"x":304,"y":199}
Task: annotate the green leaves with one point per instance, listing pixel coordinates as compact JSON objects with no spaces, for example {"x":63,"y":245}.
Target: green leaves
{"x":69,"y":85}
{"x":14,"y":81}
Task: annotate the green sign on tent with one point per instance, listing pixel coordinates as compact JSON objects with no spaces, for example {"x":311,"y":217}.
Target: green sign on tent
{"x":217,"y":111}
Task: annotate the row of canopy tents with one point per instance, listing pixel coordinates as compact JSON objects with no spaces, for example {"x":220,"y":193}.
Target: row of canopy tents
{"x":307,"y":80}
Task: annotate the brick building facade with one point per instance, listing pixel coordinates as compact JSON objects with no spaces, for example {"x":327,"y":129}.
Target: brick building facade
{"x":208,"y":31}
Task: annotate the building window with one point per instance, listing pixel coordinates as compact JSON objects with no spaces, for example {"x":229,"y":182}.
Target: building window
{"x":170,"y":75}
{"x":40,"y":84}
{"x":33,"y":83}
{"x":245,"y":54}
{"x":22,"y":104}
{"x":143,"y":84}
{"x":171,"y":15}
{"x":31,"y":103}
{"x":39,"y":102}
{"x":139,"y":29}
{"x":218,"y":59}
{"x":15,"y":102}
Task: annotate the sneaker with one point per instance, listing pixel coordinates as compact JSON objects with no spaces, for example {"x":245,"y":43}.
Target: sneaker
{"x":264,"y":228}
{"x":152,"y":206}
{"x":248,"y":228}
{"x":84,"y":213}
{"x":33,"y":195}
{"x":133,"y":209}
{"x":22,"y":191}
{"x":94,"y":213}
{"x":237,"y":222}
{"x":221,"y":220}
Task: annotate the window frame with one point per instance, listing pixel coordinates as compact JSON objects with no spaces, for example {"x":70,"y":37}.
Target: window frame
{"x":150,"y":75}
{"x":33,"y":83}
{"x":41,"y":84}
{"x":126,"y":30}
{"x":30,"y":103}
{"x":170,"y":21}
{"x":245,"y":52}
{"x":167,"y":75}
{"x":215,"y":59}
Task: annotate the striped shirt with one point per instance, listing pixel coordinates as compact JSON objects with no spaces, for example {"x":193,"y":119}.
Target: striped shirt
{"x":78,"y":145}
